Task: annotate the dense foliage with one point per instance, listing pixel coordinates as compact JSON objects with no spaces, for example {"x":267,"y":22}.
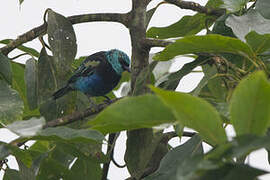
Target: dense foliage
{"x":235,"y":59}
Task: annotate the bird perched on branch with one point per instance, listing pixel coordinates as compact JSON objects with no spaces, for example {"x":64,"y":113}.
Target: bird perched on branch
{"x":98,"y":74}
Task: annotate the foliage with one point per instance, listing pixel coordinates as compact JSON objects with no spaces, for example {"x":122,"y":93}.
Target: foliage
{"x":235,"y":90}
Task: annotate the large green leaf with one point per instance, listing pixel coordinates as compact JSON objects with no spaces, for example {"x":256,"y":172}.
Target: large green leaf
{"x":62,"y":39}
{"x":250,"y":105}
{"x":188,"y":25}
{"x":263,"y":6}
{"x":48,"y":82}
{"x":53,"y":72}
{"x":30,"y":78}
{"x":259,"y":43}
{"x":11,"y":105}
{"x":177,"y":162}
{"x":251,"y":21}
{"x":211,"y":43}
{"x":234,"y":5}
{"x":195,"y":113}
{"x":132,"y":113}
{"x":5,"y":69}
{"x":68,"y":134}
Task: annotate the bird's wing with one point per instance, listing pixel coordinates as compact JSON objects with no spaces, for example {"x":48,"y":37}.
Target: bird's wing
{"x":88,"y":66}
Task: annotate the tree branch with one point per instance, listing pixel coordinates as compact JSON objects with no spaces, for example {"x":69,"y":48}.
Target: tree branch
{"x":109,"y":152}
{"x":196,"y":7}
{"x":78,"y":115}
{"x":41,"y":30}
{"x":151,"y":42}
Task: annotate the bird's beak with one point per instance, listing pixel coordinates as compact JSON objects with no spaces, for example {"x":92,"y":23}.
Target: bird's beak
{"x":126,"y":68}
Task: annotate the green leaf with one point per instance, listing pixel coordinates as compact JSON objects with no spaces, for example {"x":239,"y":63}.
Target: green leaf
{"x":11,"y":105}
{"x":263,"y":6}
{"x":195,"y":113}
{"x":178,"y":161}
{"x":211,"y":43}
{"x":250,"y":105}
{"x":259,"y":43}
{"x":51,"y":169}
{"x":5,"y":69}
{"x":28,"y":127}
{"x":25,"y":49}
{"x":132,"y":113}
{"x":23,"y":155}
{"x":50,"y":80}
{"x":47,"y":82}
{"x":242,"y":25}
{"x":18,"y":83}
{"x":85,"y":168}
{"x":233,"y":172}
{"x":221,"y":28}
{"x":30,"y":78}
{"x":62,"y":39}
{"x":21,"y":1}
{"x":234,"y":5}
{"x":188,"y":25}
{"x":239,"y":147}
{"x":70,"y":135}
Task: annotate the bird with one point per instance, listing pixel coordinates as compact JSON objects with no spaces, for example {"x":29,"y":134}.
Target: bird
{"x":97,"y":75}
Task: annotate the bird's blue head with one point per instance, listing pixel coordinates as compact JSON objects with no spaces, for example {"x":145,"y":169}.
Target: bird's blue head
{"x":118,"y":60}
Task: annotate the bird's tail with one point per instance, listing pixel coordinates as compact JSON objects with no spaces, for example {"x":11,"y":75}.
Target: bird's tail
{"x":61,"y":92}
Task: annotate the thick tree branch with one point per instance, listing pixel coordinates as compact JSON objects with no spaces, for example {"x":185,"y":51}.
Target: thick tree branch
{"x":41,"y":30}
{"x":196,"y":7}
{"x":140,"y":53}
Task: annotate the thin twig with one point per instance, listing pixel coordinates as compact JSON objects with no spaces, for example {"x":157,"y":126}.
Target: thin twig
{"x":23,"y":54}
{"x":197,"y":7}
